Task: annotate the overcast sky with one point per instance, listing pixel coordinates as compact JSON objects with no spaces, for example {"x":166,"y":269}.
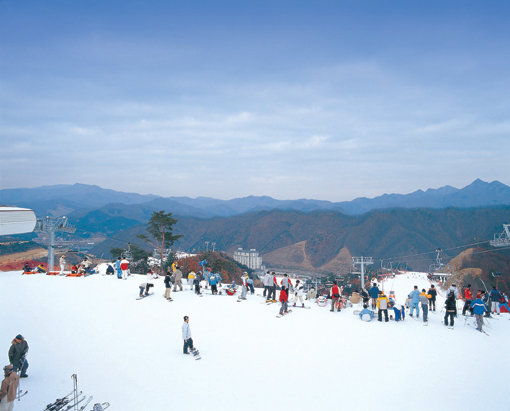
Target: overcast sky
{"x":294,"y":99}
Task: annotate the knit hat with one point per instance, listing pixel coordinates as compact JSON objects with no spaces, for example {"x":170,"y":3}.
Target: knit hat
{"x":19,"y":337}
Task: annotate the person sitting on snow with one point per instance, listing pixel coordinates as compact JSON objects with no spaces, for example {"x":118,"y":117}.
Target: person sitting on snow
{"x":400,"y":313}
{"x":27,"y":268}
{"x":144,"y":289}
{"x":40,"y":269}
{"x":110,"y":270}
{"x":366,"y":314}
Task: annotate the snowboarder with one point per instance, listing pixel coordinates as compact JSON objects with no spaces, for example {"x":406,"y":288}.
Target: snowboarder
{"x":365,"y":297}
{"x":415,"y":301}
{"x":479,"y":308}
{"x":214,"y":279}
{"x":424,"y":300}
{"x":124,"y":266}
{"x":62,"y":263}
{"x":468,"y":299}
{"x":17,"y":355}
{"x":109,"y":270}
{"x":191,"y":277}
{"x":286,"y":283}
{"x":366,"y":314}
{"x":374,"y":294}
{"x":382,"y":305}
{"x":244,"y":284}
{"x":271,"y":297}
{"x":168,"y":286}
{"x":267,"y":283}
{"x":178,"y":278}
{"x":433,"y":295}
{"x":334,"y":292}
{"x":249,"y":283}
{"x":451,"y":309}
{"x":144,"y":289}
{"x":186,"y":336}
{"x":27,"y":268}
{"x":494,"y":296}
{"x":196,"y":283}
{"x":400,"y":313}
{"x":9,"y":388}
{"x":298,"y":293}
{"x":284,"y":299}
{"x":119,"y":270}
{"x":40,"y":269}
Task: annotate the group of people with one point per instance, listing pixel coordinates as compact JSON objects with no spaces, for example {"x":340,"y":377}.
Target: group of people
{"x":17,"y":363}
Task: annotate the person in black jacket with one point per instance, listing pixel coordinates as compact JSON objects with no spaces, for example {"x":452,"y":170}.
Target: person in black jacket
{"x":451,"y":309}
{"x":433,"y":295}
{"x":168,"y":286}
{"x":17,"y":355}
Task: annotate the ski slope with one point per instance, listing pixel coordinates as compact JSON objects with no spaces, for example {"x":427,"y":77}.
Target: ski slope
{"x":129,"y":352}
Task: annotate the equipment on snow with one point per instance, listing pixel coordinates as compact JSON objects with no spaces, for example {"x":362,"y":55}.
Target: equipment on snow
{"x":287,"y":312}
{"x":100,"y":407}
{"x":147,"y":295}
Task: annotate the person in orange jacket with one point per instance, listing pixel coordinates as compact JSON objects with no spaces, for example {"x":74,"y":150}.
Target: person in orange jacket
{"x":468,"y":299}
{"x":334,"y":292}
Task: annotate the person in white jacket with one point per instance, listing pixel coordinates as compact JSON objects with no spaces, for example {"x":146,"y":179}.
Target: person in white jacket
{"x":62,"y":263}
{"x":268,"y":279}
{"x":186,"y":336}
{"x":299,"y":293}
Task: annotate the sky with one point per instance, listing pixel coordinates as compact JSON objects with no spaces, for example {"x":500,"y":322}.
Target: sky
{"x":329,"y":100}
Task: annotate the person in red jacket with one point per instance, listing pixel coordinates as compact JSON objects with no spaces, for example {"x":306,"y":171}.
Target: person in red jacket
{"x":468,"y":299}
{"x":284,"y":297}
{"x":334,"y":292}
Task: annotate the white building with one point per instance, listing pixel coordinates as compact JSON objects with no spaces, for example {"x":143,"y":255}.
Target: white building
{"x":250,"y":259}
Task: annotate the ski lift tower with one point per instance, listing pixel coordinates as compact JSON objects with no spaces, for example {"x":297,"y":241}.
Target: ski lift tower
{"x":362,"y":262}
{"x":502,"y":239}
{"x":50,"y":225}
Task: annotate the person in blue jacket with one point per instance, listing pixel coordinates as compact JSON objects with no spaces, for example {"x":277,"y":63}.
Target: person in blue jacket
{"x":374,"y":295}
{"x":366,"y":314}
{"x":415,"y":302}
{"x":479,"y":308}
{"x":119,"y":271}
{"x":214,"y":279}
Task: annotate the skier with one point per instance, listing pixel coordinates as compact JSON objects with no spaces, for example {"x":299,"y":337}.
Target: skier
{"x":9,"y":388}
{"x":468,"y":299}
{"x":334,"y":292}
{"x":424,"y":300}
{"x":168,"y":286}
{"x":284,"y":299}
{"x":124,"y":266}
{"x":178,"y":278}
{"x":244,"y":286}
{"x":186,"y":336}
{"x":451,"y":309}
{"x":494,"y":296}
{"x":17,"y":355}
{"x":144,"y":289}
{"x":267,"y":283}
{"x":62,"y":262}
{"x":415,"y":301}
{"x":374,"y":294}
{"x":382,"y":305}
{"x":119,"y":270}
{"x":433,"y":295}
{"x":298,"y":293}
{"x":366,"y":314}
{"x":478,"y":307}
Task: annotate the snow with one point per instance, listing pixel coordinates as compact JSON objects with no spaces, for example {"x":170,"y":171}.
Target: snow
{"x":129,"y":352}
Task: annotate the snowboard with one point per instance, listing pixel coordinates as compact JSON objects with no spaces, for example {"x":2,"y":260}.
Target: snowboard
{"x":101,"y":406}
{"x":196,"y":354}
{"x":299,"y":306}
{"x":142,"y":297}
{"x":280,"y":316}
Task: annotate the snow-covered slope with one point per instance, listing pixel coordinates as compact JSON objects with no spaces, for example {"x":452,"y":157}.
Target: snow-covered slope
{"x":129,"y":352}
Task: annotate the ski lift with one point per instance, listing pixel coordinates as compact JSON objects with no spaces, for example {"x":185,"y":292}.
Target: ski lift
{"x":439,"y":266}
{"x":502,"y":239}
{"x":126,"y":254}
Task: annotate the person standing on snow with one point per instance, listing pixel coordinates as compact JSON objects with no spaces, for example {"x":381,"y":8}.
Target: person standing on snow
{"x":62,"y":263}
{"x":124,"y":266}
{"x":168,"y":286}
{"x":178,"y":278}
{"x":453,"y":288}
{"x":299,"y":293}
{"x":249,"y":283}
{"x":450,"y":308}
{"x":214,"y":279}
{"x":424,"y":300}
{"x":334,"y":292}
{"x":286,"y":283}
{"x":468,"y":299}
{"x":244,"y":286}
{"x":119,"y":270}
{"x":271,"y":297}
{"x":284,"y":298}
{"x":267,"y":283}
{"x":415,"y":301}
{"x":494,"y":296}
{"x":9,"y":388}
{"x":433,"y":295}
{"x":17,"y":355}
{"x":478,"y":307}
{"x":374,"y":294}
{"x":186,"y":336}
{"x":196,"y":283}
{"x":382,"y":305}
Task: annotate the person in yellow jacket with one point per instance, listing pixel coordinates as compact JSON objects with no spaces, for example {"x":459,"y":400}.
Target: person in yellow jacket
{"x":382,"y":305}
{"x":424,"y":300}
{"x":191,"y":277}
